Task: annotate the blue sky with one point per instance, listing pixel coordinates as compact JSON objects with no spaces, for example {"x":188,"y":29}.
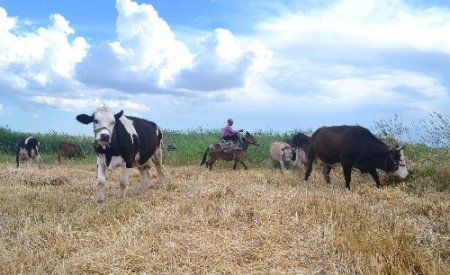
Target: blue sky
{"x":278,"y":65}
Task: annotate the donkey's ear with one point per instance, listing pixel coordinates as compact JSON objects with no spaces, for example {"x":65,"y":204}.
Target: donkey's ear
{"x":400,"y":148}
{"x":247,"y":133}
{"x":118,"y":115}
{"x":85,"y":119}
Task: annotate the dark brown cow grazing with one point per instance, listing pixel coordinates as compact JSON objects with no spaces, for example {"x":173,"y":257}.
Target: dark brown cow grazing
{"x":216,"y":152}
{"x":354,"y":147}
{"x":69,"y":150}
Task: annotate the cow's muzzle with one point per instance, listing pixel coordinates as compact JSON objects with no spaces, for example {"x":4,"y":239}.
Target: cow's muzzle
{"x":104,"y":138}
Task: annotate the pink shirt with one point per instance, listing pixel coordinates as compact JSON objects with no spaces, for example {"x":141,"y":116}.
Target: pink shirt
{"x":228,"y":131}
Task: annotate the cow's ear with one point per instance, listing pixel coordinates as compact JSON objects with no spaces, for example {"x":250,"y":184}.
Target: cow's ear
{"x":118,"y":115}
{"x":85,"y":119}
{"x":399,"y":148}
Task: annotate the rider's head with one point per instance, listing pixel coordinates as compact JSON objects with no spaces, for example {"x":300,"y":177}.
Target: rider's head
{"x":230,"y":121}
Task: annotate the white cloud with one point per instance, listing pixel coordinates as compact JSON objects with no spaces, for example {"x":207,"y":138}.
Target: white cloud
{"x":359,"y":54}
{"x":224,"y":63}
{"x":147,"y":58}
{"x":71,"y":104}
{"x":40,"y":58}
{"x":374,"y":23}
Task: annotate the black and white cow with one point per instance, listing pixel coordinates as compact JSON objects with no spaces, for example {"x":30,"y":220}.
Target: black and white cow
{"x":124,"y":141}
{"x":28,"y":149}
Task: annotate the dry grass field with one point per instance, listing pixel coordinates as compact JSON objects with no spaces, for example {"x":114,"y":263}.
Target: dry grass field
{"x":224,"y":221}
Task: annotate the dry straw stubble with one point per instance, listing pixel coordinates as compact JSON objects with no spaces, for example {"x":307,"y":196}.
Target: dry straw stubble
{"x":222,"y":221}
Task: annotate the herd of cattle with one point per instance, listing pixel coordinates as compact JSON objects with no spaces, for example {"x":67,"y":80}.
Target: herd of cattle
{"x":28,"y":149}
{"x":126,"y":142}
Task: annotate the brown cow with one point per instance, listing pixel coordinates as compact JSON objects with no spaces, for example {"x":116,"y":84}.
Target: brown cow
{"x":216,"y":152}
{"x":68,"y":150}
{"x":354,"y":147}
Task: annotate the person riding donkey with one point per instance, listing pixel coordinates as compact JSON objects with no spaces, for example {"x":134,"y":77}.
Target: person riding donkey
{"x":228,"y":133}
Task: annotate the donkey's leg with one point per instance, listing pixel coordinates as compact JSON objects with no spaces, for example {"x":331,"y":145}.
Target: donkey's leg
{"x":211,"y":162}
{"x":243,"y":163}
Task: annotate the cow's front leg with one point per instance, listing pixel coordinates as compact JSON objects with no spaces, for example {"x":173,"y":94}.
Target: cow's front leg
{"x":145,"y":175}
{"x":101,"y":180}
{"x":123,"y":181}
{"x":374,"y":174}
{"x":281,"y":159}
{"x":347,"y":168}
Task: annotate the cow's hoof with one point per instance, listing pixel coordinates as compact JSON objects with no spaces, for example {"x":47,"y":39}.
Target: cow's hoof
{"x":100,"y":198}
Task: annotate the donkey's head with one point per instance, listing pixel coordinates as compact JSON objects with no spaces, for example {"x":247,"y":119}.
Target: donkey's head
{"x":250,"y":139}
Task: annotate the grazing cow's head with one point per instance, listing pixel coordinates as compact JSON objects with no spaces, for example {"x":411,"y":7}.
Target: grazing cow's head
{"x":288,"y":152}
{"x":251,"y":139}
{"x":104,"y":121}
{"x":396,"y":162}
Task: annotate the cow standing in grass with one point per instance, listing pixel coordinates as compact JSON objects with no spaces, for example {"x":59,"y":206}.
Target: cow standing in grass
{"x":281,"y":154}
{"x":124,"y":141}
{"x":68,"y":150}
{"x":354,"y":147}
{"x":28,"y":149}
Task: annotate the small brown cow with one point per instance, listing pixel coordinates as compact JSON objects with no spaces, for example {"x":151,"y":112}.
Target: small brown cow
{"x":281,"y":154}
{"x":68,"y":150}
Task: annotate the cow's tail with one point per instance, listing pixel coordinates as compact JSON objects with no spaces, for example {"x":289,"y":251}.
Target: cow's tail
{"x":204,"y":156}
{"x":160,"y":138}
{"x":17,"y":156}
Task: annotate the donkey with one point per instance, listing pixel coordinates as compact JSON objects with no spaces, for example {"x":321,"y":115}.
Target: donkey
{"x":216,"y":152}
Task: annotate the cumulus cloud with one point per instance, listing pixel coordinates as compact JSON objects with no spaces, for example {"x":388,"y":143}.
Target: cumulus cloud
{"x":387,"y":23}
{"x":41,"y":58}
{"x":147,"y":57}
{"x":143,"y":58}
{"x":223,"y":63}
{"x":89,"y":103}
{"x":51,"y":66}
{"x":352,"y":53}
